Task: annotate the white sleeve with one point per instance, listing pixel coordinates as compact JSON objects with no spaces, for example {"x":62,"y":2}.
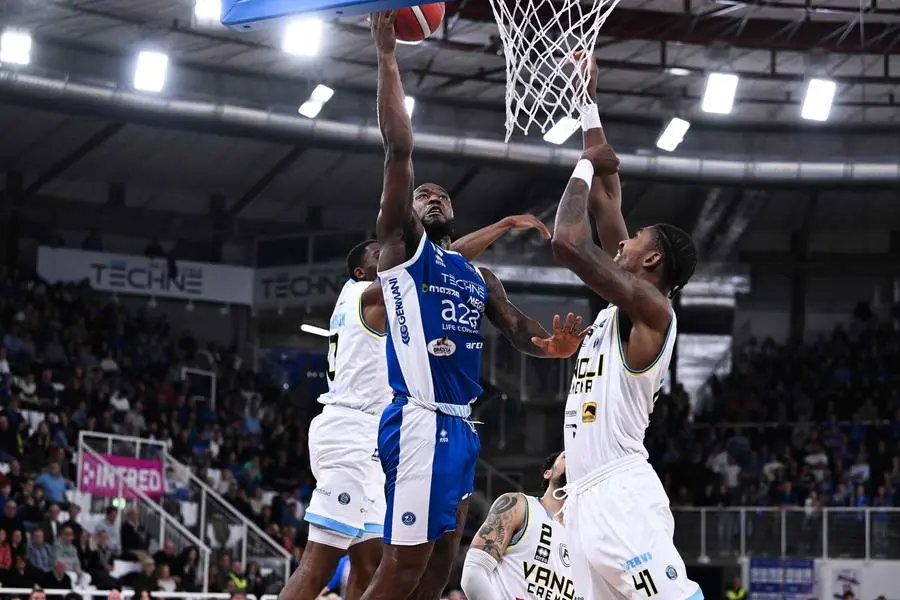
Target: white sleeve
{"x":476,"y":575}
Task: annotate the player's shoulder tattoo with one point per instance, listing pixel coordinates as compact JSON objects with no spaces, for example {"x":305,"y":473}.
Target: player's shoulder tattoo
{"x":500,"y":525}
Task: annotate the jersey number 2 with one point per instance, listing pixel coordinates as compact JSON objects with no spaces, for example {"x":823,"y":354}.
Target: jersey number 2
{"x":332,"y":355}
{"x":644,"y":581}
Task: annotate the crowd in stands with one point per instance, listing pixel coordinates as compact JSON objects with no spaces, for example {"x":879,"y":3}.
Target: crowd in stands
{"x":83,"y":362}
{"x":812,"y":424}
{"x":800,"y":425}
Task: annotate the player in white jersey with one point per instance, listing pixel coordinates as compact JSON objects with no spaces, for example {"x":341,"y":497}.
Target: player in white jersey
{"x":520,"y":551}
{"x":621,"y":527}
{"x":348,"y":505}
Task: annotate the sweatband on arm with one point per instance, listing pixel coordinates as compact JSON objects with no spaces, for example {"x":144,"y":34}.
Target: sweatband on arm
{"x":590,"y":117}
{"x":476,"y":575}
{"x":584,"y":171}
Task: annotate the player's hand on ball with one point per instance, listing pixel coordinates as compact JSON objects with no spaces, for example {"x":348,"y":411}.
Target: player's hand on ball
{"x":565,"y":340}
{"x":383,"y":33}
{"x":527,"y":222}
{"x":604,"y":159}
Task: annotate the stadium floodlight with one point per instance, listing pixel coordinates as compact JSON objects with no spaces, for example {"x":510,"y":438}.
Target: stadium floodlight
{"x":310,"y":109}
{"x":562,"y":130}
{"x":312,"y":329}
{"x":302,"y":38}
{"x":678,"y":71}
{"x":317,"y":100}
{"x":673,"y":134}
{"x":719,"y":95}
{"x":410,"y":103}
{"x":819,"y":98}
{"x":150,"y":71}
{"x":15,"y":47}
{"x":208,"y":11}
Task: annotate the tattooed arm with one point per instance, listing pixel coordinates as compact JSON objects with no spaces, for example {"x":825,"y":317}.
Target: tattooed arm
{"x":505,"y":519}
{"x":526,"y":334}
{"x":605,"y":199}
{"x":648,"y":309}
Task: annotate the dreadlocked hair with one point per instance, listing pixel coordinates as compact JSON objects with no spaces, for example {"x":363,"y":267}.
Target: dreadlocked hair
{"x":679,"y":256}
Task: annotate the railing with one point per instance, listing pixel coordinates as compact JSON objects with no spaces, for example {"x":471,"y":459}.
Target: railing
{"x":728,"y":533}
{"x":236,"y":532}
{"x":493,"y":482}
{"x":214,"y":519}
{"x":152,"y":517}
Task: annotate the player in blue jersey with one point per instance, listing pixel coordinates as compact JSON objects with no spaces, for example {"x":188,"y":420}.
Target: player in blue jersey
{"x":435,"y":300}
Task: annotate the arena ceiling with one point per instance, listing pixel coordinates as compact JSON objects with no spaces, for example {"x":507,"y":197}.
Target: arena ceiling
{"x":654,"y":54}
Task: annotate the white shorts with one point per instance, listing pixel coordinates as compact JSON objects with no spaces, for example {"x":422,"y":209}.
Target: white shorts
{"x":349,"y":494}
{"x":620,"y":538}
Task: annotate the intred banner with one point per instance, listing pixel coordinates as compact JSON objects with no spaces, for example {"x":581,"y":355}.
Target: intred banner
{"x":120,"y":476}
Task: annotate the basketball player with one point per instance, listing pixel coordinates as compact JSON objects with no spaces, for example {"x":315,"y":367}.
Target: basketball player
{"x":347,"y":507}
{"x":622,"y":546}
{"x":520,"y":552}
{"x":435,"y":301}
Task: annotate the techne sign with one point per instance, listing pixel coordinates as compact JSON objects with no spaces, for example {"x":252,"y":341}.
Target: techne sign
{"x":142,"y":276}
{"x":311,"y":285}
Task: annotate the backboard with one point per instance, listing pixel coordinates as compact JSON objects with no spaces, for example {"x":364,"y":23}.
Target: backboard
{"x":245,"y":15}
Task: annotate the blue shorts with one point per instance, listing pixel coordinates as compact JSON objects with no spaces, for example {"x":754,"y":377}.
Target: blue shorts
{"x":429,"y":464}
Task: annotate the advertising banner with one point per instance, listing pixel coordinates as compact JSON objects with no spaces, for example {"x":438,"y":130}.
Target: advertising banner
{"x":142,"y":276}
{"x":99,"y":479}
{"x":782,"y":578}
{"x":866,"y":579}
{"x":299,"y":285}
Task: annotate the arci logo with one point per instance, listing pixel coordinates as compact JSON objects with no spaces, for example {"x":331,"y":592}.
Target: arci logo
{"x":397,"y":297}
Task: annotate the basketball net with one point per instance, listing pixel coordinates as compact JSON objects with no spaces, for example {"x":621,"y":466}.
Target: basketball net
{"x":540,"y":39}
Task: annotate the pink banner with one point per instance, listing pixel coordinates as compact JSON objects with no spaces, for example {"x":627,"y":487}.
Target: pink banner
{"x":100,"y":479}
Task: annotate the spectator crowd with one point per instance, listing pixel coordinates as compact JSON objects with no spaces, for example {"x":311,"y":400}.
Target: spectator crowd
{"x":800,"y":425}
{"x":71,"y":361}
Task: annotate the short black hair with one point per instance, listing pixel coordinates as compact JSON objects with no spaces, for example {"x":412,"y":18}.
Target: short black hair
{"x":548,"y":464}
{"x":679,"y":255}
{"x":355,"y":257}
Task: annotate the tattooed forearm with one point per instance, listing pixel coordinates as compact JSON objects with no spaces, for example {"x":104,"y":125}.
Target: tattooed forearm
{"x":515,"y":326}
{"x":571,"y":217}
{"x":503,"y":520}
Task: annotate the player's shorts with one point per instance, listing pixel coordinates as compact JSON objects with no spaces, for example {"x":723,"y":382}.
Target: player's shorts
{"x":429,"y":463}
{"x":349,"y":494}
{"x":620,"y":532}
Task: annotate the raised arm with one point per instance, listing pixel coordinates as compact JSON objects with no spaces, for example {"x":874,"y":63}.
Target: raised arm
{"x":473,"y":245}
{"x":505,"y":519}
{"x":648,"y":308}
{"x":605,"y":199}
{"x":526,"y":334}
{"x":397,"y":229}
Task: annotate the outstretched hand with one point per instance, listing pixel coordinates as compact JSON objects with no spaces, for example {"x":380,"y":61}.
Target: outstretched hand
{"x":382,"y":25}
{"x":565,"y":339}
{"x":527,"y":221}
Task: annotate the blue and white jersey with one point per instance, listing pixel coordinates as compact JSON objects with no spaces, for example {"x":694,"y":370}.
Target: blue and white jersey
{"x":435,"y":302}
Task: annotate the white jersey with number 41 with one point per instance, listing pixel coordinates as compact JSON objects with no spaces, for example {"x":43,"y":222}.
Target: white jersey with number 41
{"x":609,"y":404}
{"x":357,"y":369}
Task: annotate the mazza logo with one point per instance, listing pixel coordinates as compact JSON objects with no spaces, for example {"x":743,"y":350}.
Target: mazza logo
{"x":399,"y":312}
{"x":442,"y":347}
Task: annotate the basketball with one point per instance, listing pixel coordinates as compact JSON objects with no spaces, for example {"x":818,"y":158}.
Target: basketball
{"x":415,"y":23}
